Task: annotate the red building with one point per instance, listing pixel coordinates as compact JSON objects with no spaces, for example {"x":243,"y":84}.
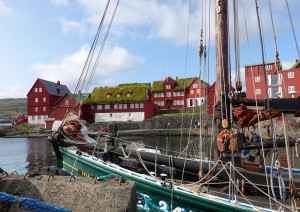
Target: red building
{"x":41,"y":98}
{"x":179,"y":93}
{"x":67,"y":103}
{"x":126,"y":102}
{"x":284,"y":84}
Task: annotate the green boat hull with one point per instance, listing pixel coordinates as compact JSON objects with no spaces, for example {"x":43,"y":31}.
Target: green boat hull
{"x":182,"y":200}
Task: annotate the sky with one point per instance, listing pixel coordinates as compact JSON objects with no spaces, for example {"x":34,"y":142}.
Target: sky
{"x":148,"y":40}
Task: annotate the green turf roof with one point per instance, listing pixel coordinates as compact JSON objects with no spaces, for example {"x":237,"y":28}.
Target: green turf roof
{"x":138,"y":92}
{"x":179,"y":85}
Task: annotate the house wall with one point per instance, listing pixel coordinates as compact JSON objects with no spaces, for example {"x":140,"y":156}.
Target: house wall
{"x":192,"y":96}
{"x":257,"y":82}
{"x":137,"y":111}
{"x":38,"y":92}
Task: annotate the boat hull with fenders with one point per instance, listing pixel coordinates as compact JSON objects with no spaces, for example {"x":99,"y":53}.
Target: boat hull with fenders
{"x":160,"y":191}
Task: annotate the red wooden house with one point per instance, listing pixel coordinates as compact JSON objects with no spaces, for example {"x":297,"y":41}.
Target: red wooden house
{"x":284,"y":84}
{"x":125,"y":102}
{"x":41,"y":98}
{"x":179,"y":93}
{"x":67,"y":103}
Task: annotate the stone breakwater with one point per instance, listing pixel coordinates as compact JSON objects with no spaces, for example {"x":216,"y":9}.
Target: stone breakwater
{"x":81,"y":194}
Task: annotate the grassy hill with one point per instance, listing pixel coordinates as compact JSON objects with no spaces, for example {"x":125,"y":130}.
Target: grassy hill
{"x":12,"y":107}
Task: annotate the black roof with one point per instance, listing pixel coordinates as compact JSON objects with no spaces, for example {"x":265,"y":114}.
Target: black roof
{"x":53,"y":88}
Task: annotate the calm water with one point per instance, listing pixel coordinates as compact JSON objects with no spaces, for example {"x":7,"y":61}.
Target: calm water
{"x":25,"y":154}
{"x":28,"y":154}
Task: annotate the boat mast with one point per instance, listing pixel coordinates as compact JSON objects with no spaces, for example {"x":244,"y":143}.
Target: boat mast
{"x":221,"y":28}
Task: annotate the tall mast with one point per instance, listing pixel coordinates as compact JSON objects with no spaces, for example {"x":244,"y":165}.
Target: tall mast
{"x":221,"y":28}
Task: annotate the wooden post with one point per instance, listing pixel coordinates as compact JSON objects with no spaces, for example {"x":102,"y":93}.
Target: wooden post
{"x":221,"y":13}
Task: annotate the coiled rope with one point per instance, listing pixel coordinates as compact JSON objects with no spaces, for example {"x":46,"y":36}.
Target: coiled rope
{"x":30,"y":204}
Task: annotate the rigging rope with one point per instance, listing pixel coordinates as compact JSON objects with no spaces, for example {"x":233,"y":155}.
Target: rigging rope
{"x":288,"y":8}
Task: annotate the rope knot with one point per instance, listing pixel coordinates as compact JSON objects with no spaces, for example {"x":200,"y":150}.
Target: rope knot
{"x":18,"y":201}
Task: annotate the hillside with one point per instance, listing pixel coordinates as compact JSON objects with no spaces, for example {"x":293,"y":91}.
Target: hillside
{"x":12,"y":107}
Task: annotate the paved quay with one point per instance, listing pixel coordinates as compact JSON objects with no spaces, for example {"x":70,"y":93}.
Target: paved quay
{"x":81,"y":194}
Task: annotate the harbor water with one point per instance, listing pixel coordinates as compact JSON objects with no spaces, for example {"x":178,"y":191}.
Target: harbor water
{"x":29,"y":154}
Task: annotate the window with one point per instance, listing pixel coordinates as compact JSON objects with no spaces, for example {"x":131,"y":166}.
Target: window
{"x":257,"y":91}
{"x":273,"y":93}
{"x":36,"y":99}
{"x":128,"y":94}
{"x":178,"y":93}
{"x":118,"y":95}
{"x":36,"y":109}
{"x":198,"y":90}
{"x":44,"y":99}
{"x":131,"y":106}
{"x":39,"y":117}
{"x":107,"y":107}
{"x":137,"y":105}
{"x":168,"y":86}
{"x":33,"y":118}
{"x":125,"y":106}
{"x":273,"y":79}
{"x":195,"y":85}
{"x":268,"y":67}
{"x":110,"y":115}
{"x":120,"y":106}
{"x":129,"y":114}
{"x":290,"y":74}
{"x":115,"y":106}
{"x":141,"y":105}
{"x":92,"y":107}
{"x":67,"y":102}
{"x":40,"y":89}
{"x":168,"y":94}
{"x":36,"y":90}
{"x":44,"y":108}
{"x":160,"y":103}
{"x":159,"y":95}
{"x":257,"y":79}
{"x":99,"y":107}
{"x":291,"y":88}
{"x":191,"y":91}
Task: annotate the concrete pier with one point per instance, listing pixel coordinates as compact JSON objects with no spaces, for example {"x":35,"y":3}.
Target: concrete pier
{"x":81,"y":194}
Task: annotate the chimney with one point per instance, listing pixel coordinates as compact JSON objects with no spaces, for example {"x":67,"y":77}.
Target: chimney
{"x":58,"y":82}
{"x":176,"y":78}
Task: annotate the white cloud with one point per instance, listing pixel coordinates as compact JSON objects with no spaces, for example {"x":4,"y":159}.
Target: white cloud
{"x":4,"y":10}
{"x":69,"y":67}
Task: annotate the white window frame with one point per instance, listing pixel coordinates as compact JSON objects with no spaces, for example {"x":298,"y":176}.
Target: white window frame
{"x":291,"y":74}
{"x":40,"y":89}
{"x":107,"y":106}
{"x":137,"y":105}
{"x":44,"y":108}
{"x":291,"y":88}
{"x":44,"y":99}
{"x":191,"y":91}
{"x":257,"y":91}
{"x":99,"y":107}
{"x":116,"y":106}
{"x":36,"y":99}
{"x":141,"y":105}
{"x":168,"y":86}
{"x":36,"y":90}
{"x":195,"y":85}
{"x":36,"y":109}
{"x":257,"y":79}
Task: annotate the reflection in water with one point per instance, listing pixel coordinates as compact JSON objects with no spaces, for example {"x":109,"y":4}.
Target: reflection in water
{"x":25,"y":154}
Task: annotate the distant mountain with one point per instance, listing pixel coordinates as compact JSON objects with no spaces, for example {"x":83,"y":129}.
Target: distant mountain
{"x":12,"y":107}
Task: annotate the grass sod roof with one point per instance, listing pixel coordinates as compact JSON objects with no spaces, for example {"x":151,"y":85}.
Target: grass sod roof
{"x":179,"y":85}
{"x":99,"y":95}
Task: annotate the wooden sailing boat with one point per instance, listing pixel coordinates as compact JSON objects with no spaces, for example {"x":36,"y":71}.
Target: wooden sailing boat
{"x":81,"y":158}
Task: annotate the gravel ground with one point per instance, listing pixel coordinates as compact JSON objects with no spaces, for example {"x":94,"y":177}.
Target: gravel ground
{"x":81,"y":194}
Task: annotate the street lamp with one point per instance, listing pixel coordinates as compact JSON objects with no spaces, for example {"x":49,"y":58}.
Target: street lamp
{"x":293,"y":93}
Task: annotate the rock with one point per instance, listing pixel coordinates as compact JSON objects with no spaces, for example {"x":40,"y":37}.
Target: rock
{"x":81,"y":194}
